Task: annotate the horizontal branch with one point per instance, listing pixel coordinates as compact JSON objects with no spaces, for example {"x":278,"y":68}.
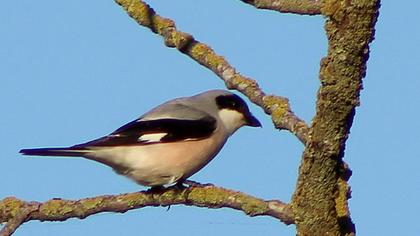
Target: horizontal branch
{"x":12,"y":209}
{"x":301,"y":7}
{"x":276,"y":106}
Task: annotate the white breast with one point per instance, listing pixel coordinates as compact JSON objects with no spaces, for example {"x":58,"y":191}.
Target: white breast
{"x":161,"y":163}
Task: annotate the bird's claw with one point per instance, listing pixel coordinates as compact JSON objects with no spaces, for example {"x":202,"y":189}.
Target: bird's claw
{"x":156,"y":189}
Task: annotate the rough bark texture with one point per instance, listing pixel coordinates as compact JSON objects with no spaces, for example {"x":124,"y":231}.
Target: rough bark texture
{"x":15,"y":211}
{"x":302,"y":7}
{"x":320,"y":199}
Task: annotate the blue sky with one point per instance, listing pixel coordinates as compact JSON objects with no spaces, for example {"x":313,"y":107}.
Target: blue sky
{"x":77,"y":70}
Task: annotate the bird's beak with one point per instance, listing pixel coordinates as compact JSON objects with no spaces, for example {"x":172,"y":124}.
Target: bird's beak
{"x":252,"y":121}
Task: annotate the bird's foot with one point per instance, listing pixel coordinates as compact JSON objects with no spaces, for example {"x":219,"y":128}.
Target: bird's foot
{"x":156,"y":189}
{"x":180,"y":185}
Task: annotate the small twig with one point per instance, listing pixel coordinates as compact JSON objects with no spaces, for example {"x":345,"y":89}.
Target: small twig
{"x":197,"y":195}
{"x":301,"y":7}
{"x":276,"y":106}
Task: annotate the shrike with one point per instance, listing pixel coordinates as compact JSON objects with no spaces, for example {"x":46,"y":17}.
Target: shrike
{"x":169,"y":143}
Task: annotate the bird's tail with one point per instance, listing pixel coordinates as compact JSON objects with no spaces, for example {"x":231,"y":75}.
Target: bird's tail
{"x":64,"y":152}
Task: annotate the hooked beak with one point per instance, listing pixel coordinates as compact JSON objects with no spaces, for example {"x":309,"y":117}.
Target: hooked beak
{"x":252,"y":121}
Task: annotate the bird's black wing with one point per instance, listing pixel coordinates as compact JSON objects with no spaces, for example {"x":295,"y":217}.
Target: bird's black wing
{"x":144,"y":132}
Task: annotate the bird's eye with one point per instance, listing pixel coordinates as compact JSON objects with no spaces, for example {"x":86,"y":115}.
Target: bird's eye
{"x":232,"y":102}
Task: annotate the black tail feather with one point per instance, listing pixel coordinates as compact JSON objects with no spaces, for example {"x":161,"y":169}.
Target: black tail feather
{"x":65,"y":152}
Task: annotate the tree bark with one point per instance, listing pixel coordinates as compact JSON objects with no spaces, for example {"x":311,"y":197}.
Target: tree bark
{"x":320,"y":200}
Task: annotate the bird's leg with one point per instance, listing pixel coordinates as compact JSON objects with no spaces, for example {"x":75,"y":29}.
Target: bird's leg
{"x":192,"y":183}
{"x":180,"y":184}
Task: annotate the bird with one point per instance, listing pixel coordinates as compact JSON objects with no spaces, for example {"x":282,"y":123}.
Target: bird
{"x":168,"y":144}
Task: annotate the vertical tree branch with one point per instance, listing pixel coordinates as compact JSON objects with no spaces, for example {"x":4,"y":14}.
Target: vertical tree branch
{"x":320,"y":200}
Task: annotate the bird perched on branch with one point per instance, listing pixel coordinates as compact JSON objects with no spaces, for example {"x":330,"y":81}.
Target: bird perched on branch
{"x":169,"y":143}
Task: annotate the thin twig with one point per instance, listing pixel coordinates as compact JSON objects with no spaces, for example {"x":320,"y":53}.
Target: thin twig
{"x":276,"y":106}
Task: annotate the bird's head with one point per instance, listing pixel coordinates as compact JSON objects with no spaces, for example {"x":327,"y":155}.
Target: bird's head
{"x":231,"y":110}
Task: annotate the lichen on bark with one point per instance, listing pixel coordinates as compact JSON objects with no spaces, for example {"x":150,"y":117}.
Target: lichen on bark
{"x":320,"y":200}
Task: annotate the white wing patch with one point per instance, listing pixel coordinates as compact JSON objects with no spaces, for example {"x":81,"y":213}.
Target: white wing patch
{"x":150,"y":138}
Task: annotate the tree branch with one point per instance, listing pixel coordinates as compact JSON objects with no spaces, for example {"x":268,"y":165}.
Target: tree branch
{"x":301,"y":7}
{"x":322,"y":191}
{"x":276,"y":106}
{"x":18,"y":219}
{"x":16,"y":212}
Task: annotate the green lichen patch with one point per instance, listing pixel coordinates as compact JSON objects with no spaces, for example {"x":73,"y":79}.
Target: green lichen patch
{"x":91,"y":203}
{"x":56,"y":208}
{"x":132,"y":200}
{"x":10,"y":207}
{"x":254,"y":206}
{"x":277,"y":105}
